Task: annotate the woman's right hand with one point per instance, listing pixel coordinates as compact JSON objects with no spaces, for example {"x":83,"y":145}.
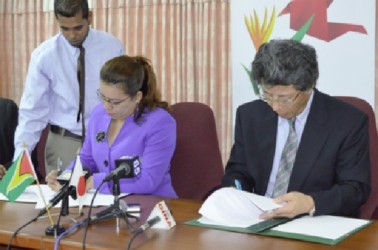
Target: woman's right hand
{"x":52,"y":181}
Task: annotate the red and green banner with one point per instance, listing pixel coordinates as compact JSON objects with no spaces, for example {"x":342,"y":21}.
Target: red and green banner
{"x":20,"y":175}
{"x":341,"y":31}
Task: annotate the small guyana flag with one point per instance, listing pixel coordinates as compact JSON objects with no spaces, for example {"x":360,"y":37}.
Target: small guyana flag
{"x":20,"y":175}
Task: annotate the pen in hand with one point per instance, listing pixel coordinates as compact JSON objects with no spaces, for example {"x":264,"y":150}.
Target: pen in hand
{"x":238,"y":185}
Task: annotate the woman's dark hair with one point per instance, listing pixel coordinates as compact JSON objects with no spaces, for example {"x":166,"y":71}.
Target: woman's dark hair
{"x":134,"y":74}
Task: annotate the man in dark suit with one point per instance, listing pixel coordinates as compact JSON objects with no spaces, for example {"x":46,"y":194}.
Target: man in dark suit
{"x":330,"y":169}
{"x":8,"y":124}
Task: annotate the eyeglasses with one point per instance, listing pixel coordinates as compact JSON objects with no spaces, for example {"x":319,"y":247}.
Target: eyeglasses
{"x":282,"y":100}
{"x":112,"y":102}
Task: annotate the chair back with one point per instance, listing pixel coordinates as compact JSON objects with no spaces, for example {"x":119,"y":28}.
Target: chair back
{"x":370,"y":209}
{"x":196,"y":166}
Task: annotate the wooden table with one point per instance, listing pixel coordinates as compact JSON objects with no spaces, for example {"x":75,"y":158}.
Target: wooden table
{"x":103,"y":235}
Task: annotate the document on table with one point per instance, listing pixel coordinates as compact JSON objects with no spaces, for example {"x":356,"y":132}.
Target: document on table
{"x":32,"y":195}
{"x":324,"y":226}
{"x":235,"y":208}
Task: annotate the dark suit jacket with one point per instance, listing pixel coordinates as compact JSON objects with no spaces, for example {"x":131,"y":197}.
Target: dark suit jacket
{"x":8,"y":124}
{"x":332,"y":162}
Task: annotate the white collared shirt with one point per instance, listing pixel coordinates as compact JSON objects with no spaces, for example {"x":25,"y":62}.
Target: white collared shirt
{"x":51,"y":93}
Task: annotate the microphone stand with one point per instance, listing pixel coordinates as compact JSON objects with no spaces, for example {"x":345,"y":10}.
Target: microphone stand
{"x":57,"y":229}
{"x":115,"y":210}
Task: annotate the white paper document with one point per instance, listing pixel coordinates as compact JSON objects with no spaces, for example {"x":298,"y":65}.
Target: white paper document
{"x":230,"y":207}
{"x":29,"y":195}
{"x":235,"y":208}
{"x":324,"y":226}
{"x":32,"y":194}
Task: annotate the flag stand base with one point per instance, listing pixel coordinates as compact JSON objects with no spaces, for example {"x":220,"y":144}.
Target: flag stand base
{"x":55,"y":230}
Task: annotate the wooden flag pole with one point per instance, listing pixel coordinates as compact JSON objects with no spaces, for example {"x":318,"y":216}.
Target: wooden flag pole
{"x":38,"y":185}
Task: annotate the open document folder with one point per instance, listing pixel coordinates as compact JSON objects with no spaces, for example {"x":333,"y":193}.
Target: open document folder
{"x":234,"y":210}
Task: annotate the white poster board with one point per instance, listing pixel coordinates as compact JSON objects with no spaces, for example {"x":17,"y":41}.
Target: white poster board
{"x":346,"y":62}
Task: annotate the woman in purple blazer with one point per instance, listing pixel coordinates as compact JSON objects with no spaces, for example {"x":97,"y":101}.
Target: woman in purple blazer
{"x":132,"y":121}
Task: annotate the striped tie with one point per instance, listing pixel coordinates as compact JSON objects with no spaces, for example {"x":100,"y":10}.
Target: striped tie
{"x":287,"y":161}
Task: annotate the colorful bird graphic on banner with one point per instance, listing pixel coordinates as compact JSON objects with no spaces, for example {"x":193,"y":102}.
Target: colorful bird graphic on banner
{"x":301,"y":11}
{"x":260,"y":33}
{"x":307,"y":17}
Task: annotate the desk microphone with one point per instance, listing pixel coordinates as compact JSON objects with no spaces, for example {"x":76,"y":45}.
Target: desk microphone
{"x":148,"y":224}
{"x":118,"y":172}
{"x":62,"y":193}
{"x":66,"y":189}
{"x":126,"y":167}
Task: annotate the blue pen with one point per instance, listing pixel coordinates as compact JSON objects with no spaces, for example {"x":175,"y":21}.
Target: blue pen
{"x":238,"y":185}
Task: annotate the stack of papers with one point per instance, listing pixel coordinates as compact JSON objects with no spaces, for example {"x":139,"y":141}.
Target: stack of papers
{"x":235,"y":208}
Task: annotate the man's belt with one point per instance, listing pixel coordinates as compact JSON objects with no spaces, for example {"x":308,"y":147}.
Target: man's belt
{"x":64,"y":132}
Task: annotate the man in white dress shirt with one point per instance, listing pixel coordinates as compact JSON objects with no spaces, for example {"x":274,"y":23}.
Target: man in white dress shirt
{"x":51,"y":94}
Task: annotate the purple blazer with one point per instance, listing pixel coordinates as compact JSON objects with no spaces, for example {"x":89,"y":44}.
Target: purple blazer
{"x":153,"y":140}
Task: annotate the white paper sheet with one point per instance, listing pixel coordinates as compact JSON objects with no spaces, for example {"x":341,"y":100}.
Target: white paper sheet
{"x":32,"y":195}
{"x":325,"y":226}
{"x":235,"y":208}
{"x":100,"y":200}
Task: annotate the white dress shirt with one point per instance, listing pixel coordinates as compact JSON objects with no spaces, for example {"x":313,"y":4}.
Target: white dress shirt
{"x":51,"y":93}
